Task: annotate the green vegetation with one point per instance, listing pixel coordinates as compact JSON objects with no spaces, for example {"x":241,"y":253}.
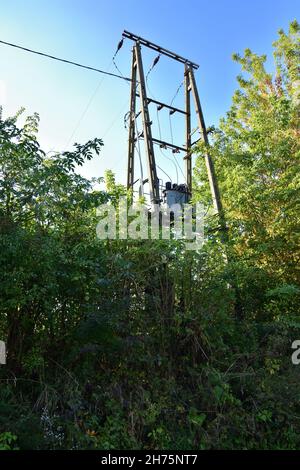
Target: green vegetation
{"x":108,"y":351}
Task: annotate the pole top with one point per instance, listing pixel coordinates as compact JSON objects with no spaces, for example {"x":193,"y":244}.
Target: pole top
{"x":161,"y":50}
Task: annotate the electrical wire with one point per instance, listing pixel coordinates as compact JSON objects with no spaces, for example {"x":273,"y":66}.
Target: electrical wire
{"x":180,"y":168}
{"x":176,"y":93}
{"x":120,"y":44}
{"x":170,"y":179}
{"x":114,"y":120}
{"x":104,"y":72}
{"x":118,"y":69}
{"x":87,"y":108}
{"x":155,"y":61}
{"x":173,"y":160}
{"x":94,"y":69}
{"x":149,"y":89}
{"x":158,"y":122}
{"x":171,"y":132}
{"x":138,"y":148}
{"x":163,"y":154}
{"x":170,"y":124}
{"x":171,"y":129}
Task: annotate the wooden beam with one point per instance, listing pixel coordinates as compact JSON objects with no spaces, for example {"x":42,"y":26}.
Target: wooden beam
{"x":161,"y":50}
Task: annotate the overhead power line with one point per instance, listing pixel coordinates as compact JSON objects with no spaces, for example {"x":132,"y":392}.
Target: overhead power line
{"x":127,"y":79}
{"x":176,"y":93}
{"x":120,"y":44}
{"x":86,"y":108}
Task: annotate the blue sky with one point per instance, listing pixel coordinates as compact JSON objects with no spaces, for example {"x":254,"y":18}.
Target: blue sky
{"x":88,"y":31}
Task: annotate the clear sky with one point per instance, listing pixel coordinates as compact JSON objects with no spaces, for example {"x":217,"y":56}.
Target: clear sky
{"x":88,"y":31}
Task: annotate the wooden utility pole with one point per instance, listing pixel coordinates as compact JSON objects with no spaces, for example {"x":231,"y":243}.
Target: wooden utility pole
{"x":131,"y":139}
{"x":213,"y":184}
{"x":138,"y":81}
{"x":188,"y":137}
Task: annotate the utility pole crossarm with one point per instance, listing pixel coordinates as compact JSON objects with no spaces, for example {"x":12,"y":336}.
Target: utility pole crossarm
{"x":161,"y":105}
{"x":163,"y":144}
{"x":161,"y":50}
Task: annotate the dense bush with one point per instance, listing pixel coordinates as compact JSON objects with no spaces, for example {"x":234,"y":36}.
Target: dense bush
{"x":118,"y":344}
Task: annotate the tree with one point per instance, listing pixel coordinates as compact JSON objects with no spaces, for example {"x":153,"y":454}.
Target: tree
{"x":45,"y":219}
{"x":257,"y":157}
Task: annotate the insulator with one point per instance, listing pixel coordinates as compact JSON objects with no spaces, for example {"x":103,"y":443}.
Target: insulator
{"x":156,"y":60}
{"x":120,"y":45}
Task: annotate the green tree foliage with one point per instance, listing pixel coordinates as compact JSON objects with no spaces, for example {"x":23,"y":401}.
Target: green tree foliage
{"x":257,"y":156}
{"x":118,"y":344}
{"x":45,"y":210}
